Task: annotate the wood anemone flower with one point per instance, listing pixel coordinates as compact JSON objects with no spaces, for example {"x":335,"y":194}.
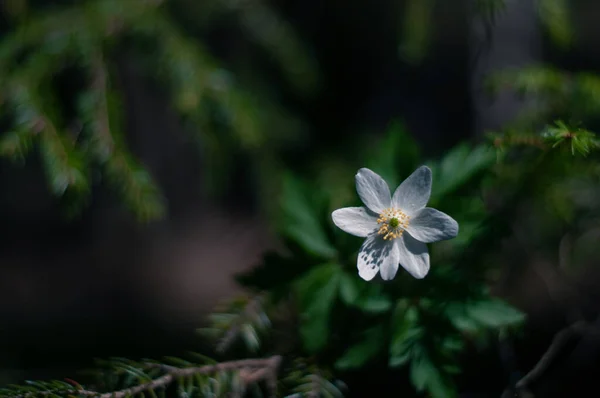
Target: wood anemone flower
{"x":396,"y":227}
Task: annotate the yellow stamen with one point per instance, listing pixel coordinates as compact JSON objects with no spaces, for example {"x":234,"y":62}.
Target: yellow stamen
{"x":393,"y":223}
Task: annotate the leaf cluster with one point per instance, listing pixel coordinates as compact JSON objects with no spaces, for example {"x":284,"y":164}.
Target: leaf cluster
{"x":346,"y":323}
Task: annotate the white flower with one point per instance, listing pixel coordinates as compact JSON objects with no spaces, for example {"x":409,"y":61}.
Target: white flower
{"x":396,"y":227}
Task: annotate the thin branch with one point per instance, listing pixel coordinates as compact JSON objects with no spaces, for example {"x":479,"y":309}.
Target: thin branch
{"x":269,"y":374}
{"x":100,"y":86}
{"x":557,"y":345}
{"x":565,"y":295}
{"x":559,"y":286}
{"x":257,"y":370}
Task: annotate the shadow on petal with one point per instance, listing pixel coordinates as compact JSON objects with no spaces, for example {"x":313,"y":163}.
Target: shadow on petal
{"x":373,"y":253}
{"x":414,"y":256}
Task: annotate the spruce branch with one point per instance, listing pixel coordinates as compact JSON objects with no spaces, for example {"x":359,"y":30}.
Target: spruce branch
{"x":579,"y":140}
{"x":250,"y":370}
{"x":305,"y":379}
{"x":243,"y":318}
{"x":99,"y":85}
{"x":137,"y":188}
{"x":252,"y":308}
{"x":43,"y":46}
{"x":64,"y":163}
{"x":509,"y":140}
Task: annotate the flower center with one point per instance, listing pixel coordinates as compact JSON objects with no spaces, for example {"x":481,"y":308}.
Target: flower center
{"x":392,"y":222}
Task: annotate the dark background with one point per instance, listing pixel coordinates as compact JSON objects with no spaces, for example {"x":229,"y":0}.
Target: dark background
{"x":104,"y":285}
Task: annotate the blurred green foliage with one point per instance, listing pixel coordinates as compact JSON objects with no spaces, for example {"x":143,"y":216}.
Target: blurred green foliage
{"x":84,"y":41}
{"x":419,"y":27}
{"x":424,"y":325}
{"x":349,"y":323}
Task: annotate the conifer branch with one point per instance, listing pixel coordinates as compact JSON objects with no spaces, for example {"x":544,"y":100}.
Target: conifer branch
{"x":137,"y":187}
{"x":99,"y":86}
{"x":253,"y":306}
{"x":251,"y":371}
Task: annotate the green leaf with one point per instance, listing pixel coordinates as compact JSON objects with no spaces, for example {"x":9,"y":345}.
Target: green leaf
{"x":495,"y":313}
{"x":426,"y":376}
{"x":472,"y":316}
{"x":368,"y":297}
{"x":358,"y":354}
{"x":375,"y":303}
{"x":401,"y":358}
{"x":301,"y":221}
{"x":396,"y":154}
{"x":349,"y":289}
{"x":459,"y":167}
{"x":460,"y":319}
{"x":452,"y":344}
{"x":554,"y":15}
{"x":406,"y":333}
{"x":316,"y":295}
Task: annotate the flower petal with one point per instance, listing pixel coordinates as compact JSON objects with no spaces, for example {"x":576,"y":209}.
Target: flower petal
{"x":413,"y":194}
{"x":372,"y":190}
{"x":356,"y":221}
{"x":431,"y":225}
{"x":414,"y":257}
{"x":376,"y":253}
{"x":389,"y":267}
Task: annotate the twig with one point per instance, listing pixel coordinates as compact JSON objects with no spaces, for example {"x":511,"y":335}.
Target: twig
{"x":260,"y":369}
{"x":100,"y":86}
{"x":565,"y":295}
{"x":559,"y":286}
{"x":557,"y":345}
{"x":268,"y":373}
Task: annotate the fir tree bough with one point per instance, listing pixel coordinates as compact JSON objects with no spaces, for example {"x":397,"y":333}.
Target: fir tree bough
{"x":154,"y":379}
{"x":84,"y":40}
